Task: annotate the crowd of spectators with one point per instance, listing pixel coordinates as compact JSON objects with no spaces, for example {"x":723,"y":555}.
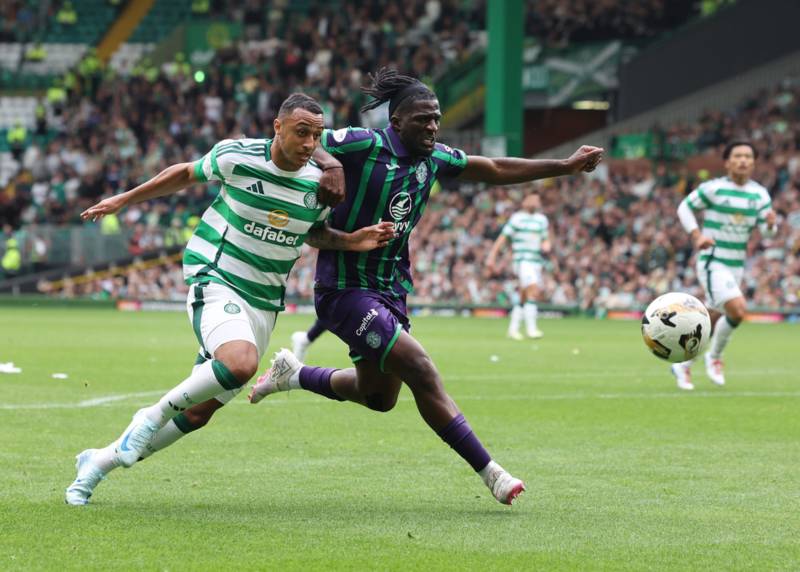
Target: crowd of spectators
{"x":614,"y":244}
{"x":20,"y":20}
{"x":769,"y":117}
{"x":559,"y":23}
{"x":113,"y":132}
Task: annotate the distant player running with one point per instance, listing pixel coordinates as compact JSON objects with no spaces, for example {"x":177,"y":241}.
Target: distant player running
{"x":527,"y":230}
{"x":302,"y":340}
{"x":362,"y":297}
{"x":733,"y":206}
{"x":236,"y":262}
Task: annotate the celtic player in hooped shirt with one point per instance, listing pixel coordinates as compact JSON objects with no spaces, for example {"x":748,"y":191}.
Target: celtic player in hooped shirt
{"x":236,"y":262}
{"x":732,"y":207}
{"x":361,"y":297}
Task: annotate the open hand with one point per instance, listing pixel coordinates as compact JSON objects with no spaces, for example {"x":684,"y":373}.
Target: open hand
{"x":105,"y":207}
{"x":585,"y":159}
{"x":702,"y":241}
{"x":770,"y":218}
{"x":331,"y":187}
{"x":371,"y":237}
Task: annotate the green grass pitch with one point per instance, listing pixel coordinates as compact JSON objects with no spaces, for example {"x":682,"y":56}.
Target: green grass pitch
{"x":623,"y":471}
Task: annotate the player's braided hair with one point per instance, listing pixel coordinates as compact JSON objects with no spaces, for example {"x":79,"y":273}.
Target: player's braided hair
{"x":389,"y":85}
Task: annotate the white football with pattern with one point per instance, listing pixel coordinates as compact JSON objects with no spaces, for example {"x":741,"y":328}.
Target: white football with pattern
{"x":676,"y":327}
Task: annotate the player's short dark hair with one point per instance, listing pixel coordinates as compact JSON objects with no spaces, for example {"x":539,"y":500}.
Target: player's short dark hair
{"x":726,"y":154}
{"x":389,"y":85}
{"x":299,"y":101}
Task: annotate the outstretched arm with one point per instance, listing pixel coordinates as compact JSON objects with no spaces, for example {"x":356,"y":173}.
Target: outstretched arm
{"x":509,"y":170}
{"x":171,"y":180}
{"x":361,"y":240}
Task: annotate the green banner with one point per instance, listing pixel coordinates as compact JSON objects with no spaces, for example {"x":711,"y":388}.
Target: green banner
{"x":204,"y":36}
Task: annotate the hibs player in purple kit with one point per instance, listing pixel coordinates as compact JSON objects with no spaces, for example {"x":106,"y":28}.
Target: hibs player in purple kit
{"x":361,"y":297}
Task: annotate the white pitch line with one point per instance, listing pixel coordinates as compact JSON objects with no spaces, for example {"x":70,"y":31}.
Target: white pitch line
{"x":489,"y":376}
{"x":97,"y":401}
{"x":120,"y":398}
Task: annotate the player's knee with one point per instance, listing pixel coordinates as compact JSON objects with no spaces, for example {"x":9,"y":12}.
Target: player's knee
{"x":381,"y":402}
{"x":242,"y":367}
{"x":424,"y":371}
{"x":736,"y":312}
{"x":198,"y":418}
{"x":737,"y":315}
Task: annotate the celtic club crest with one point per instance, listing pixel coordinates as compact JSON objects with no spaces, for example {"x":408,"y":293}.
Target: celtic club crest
{"x":310,"y":200}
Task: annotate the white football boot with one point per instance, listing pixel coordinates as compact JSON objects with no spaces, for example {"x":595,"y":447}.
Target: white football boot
{"x":300,"y":343}
{"x":276,"y":378}
{"x":78,"y":493}
{"x":683,"y":375}
{"x":504,"y":487}
{"x":134,"y":441}
{"x":535,"y":334}
{"x":714,"y":370}
{"x":514,"y":335}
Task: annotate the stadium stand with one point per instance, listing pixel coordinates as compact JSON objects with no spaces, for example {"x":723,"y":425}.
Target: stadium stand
{"x":613,"y":247}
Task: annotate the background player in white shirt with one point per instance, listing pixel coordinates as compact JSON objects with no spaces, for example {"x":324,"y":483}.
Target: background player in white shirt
{"x":527,"y":230}
{"x":733,"y":206}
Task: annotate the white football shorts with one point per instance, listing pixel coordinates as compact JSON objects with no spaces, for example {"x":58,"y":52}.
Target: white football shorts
{"x":219,"y":315}
{"x":720,"y":283}
{"x":528,"y":273}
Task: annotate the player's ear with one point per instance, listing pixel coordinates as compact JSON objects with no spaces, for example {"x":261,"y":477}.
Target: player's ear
{"x":276,"y":125}
{"x":394,"y":120}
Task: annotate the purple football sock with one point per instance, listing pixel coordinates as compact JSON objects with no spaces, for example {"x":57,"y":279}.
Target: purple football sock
{"x":458,"y":434}
{"x":318,"y":380}
{"x":315,"y":331}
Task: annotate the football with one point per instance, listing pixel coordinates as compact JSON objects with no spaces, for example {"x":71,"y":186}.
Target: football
{"x":676,"y":327}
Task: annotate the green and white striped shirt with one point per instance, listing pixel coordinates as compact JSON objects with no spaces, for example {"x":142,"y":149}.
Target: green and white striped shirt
{"x":250,"y":236}
{"x":526,"y":231}
{"x":731,"y":213}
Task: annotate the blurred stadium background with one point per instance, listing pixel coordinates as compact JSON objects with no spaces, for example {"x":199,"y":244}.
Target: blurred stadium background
{"x":96,"y":96}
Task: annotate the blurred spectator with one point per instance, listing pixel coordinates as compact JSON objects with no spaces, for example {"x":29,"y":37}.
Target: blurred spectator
{"x":12,"y":260}
{"x":66,"y":15}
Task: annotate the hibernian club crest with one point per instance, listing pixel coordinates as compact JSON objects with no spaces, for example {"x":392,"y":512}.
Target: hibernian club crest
{"x":373,"y":340}
{"x":422,"y":173}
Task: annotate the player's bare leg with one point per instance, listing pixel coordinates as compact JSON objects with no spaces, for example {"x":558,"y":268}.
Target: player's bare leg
{"x":735,"y":311}
{"x":364,"y":384}
{"x":94,"y":464}
{"x":407,"y":360}
{"x":531,"y":311}
{"x":683,"y":370}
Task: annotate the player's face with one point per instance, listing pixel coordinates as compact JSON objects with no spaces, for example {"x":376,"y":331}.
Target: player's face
{"x":531,"y":203}
{"x":418,"y":125}
{"x":740,"y":162}
{"x":299,"y":134}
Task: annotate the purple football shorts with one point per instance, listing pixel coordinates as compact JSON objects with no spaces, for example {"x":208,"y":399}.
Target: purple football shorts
{"x":366,"y":320}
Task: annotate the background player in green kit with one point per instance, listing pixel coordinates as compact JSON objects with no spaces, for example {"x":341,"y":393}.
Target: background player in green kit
{"x":527,"y":230}
{"x":732,"y":207}
{"x":236,"y":262}
{"x":361,"y":297}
